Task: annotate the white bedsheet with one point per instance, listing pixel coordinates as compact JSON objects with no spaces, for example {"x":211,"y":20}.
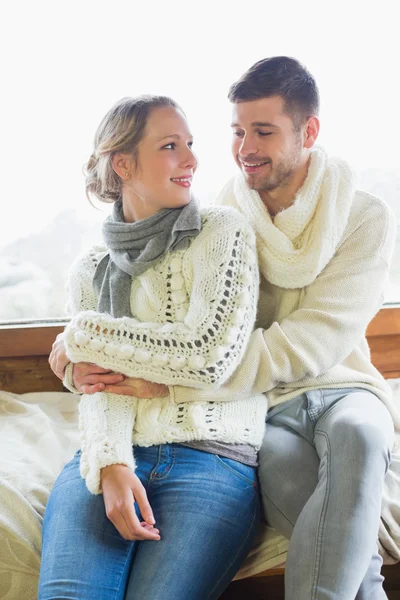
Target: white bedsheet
{"x":38,"y":435}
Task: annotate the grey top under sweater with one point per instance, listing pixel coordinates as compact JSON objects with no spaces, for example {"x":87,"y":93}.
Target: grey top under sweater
{"x":243,"y":453}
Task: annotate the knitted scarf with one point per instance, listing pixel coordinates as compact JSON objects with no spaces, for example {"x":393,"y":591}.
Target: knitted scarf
{"x":295,"y":247}
{"x":134,"y":247}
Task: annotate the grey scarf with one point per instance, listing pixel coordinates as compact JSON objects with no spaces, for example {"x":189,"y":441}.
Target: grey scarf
{"x":134,"y":247}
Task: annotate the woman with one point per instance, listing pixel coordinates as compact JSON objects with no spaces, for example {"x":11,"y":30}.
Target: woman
{"x":171,"y":299}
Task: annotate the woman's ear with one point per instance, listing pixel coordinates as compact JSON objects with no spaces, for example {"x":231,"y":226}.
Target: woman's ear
{"x":122,"y":165}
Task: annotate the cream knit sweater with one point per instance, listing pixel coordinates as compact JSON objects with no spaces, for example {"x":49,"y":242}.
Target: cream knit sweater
{"x":194,"y":312}
{"x":313,"y":337}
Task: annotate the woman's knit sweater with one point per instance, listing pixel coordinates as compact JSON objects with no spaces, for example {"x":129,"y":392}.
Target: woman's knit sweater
{"x":194,"y":312}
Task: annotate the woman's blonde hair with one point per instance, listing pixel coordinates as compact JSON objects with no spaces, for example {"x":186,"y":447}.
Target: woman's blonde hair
{"x":121,"y":130}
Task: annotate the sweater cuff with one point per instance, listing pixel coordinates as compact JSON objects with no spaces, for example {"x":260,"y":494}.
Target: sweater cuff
{"x":95,"y":457}
{"x":68,"y":381}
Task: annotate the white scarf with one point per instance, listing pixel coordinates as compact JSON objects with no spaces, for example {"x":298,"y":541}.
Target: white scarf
{"x":295,"y":247}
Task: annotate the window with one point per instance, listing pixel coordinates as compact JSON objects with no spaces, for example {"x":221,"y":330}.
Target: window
{"x":66,"y":64}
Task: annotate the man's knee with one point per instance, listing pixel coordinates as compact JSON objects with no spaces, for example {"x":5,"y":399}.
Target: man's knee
{"x":356,"y":442}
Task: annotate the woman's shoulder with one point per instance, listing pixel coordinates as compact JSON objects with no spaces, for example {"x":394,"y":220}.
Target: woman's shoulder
{"x":86,"y":263}
{"x":223,"y":219}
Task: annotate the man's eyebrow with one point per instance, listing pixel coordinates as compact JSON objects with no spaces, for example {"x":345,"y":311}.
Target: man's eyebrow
{"x":258,"y":124}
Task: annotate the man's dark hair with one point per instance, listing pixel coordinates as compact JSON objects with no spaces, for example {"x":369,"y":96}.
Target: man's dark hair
{"x":280,"y":76}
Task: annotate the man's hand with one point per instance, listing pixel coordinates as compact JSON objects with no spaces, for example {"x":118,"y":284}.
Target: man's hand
{"x":140,"y":388}
{"x":121,"y":488}
{"x":58,"y":358}
{"x":89,"y":378}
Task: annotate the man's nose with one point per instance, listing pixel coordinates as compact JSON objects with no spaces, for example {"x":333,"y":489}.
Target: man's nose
{"x":248,"y":146}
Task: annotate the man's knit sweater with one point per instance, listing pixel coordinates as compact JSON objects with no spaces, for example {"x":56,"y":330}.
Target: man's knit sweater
{"x":314,"y":337}
{"x":194,"y":312}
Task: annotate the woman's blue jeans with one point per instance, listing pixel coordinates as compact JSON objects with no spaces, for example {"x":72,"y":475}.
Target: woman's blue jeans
{"x":206,"y":508}
{"x":322,"y":466}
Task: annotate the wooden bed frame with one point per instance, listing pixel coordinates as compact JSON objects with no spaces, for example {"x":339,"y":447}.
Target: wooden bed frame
{"x":24,"y":350}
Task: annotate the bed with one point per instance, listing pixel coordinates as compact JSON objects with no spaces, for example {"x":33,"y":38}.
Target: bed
{"x":39,"y":434}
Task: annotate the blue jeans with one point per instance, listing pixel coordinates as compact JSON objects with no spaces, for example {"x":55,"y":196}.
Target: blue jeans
{"x":206,"y":508}
{"x":322,"y":466}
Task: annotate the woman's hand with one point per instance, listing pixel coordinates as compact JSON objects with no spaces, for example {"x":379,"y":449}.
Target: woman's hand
{"x":58,"y":358}
{"x":140,"y":388}
{"x":121,"y":489}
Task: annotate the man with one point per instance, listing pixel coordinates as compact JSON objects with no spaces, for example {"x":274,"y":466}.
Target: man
{"x":328,"y":456}
{"x":324,"y":250}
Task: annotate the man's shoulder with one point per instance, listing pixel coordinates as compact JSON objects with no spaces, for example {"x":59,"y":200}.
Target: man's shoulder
{"x":369,"y":211}
{"x":371,"y":223}
{"x":365,"y":202}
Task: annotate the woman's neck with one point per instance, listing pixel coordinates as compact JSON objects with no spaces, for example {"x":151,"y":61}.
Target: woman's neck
{"x":135,"y":208}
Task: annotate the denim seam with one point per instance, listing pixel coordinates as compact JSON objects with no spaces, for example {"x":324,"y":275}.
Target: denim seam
{"x":321,"y":524}
{"x":250,"y":482}
{"x":131,"y":547}
{"x":313,"y":413}
{"x":166,"y":471}
{"x":276,"y":507}
{"x":237,"y":553}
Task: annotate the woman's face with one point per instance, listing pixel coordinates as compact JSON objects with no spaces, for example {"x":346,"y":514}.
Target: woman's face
{"x":166,"y":164}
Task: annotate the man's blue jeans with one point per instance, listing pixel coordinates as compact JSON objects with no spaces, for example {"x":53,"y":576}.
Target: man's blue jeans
{"x":322,"y":465}
{"x":207,"y":511}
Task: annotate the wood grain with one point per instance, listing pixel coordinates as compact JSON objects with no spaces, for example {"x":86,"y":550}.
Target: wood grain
{"x":28,"y":374}
{"x":28,"y":340}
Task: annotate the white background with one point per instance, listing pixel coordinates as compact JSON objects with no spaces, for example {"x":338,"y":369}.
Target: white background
{"x":65,"y":63}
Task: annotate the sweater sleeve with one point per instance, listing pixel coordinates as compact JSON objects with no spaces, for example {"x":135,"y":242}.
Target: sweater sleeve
{"x":329,"y":323}
{"x":204,"y":350}
{"x":105,"y":420}
{"x":80,"y":296}
{"x":106,"y":423}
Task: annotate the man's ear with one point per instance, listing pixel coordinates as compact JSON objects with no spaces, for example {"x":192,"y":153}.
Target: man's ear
{"x":122,"y":165}
{"x":311,"y":132}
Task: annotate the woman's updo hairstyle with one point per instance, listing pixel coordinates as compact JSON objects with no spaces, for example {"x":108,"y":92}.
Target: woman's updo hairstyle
{"x":121,"y":130}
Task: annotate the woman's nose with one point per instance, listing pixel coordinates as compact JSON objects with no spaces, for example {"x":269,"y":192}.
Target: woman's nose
{"x":190,"y":160}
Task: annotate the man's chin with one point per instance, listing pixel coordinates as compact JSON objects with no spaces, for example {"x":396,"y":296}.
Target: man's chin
{"x":255,"y":183}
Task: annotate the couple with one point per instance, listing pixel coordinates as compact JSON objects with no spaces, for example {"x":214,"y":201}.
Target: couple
{"x":178,"y":344}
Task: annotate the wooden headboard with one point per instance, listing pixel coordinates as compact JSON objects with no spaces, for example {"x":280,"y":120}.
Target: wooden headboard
{"x":24,"y":351}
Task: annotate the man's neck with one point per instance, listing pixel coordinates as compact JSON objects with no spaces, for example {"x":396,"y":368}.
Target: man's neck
{"x":282,"y":197}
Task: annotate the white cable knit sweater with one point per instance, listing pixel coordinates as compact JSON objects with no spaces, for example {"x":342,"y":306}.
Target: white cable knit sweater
{"x":194,"y":312}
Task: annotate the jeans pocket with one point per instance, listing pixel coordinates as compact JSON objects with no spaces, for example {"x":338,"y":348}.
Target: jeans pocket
{"x":244,"y":472}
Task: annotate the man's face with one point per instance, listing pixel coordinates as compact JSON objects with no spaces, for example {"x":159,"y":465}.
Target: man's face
{"x":265,"y":144}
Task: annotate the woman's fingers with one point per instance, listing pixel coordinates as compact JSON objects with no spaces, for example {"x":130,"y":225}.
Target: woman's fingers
{"x":123,"y":516}
{"x":143,"y":503}
{"x":119,"y":487}
{"x":133,"y":524}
